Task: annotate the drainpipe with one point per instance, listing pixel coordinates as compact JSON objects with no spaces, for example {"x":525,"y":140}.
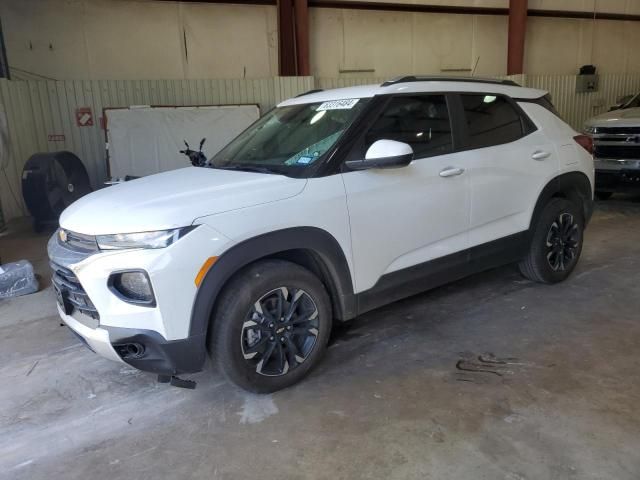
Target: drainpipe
{"x":517,"y":30}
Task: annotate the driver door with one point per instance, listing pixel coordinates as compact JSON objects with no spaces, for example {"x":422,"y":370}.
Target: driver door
{"x":407,"y":217}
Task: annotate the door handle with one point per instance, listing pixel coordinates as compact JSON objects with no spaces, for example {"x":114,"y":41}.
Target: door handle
{"x":540,"y":155}
{"x":451,"y":172}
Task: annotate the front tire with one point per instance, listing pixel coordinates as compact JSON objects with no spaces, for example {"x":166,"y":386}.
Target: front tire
{"x":556,"y":244}
{"x":271,"y":326}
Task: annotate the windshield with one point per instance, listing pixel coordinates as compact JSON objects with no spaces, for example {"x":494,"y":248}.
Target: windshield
{"x":289,"y":139}
{"x":633,"y":103}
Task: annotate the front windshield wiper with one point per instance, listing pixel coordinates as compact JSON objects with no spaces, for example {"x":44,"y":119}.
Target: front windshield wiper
{"x":249,"y":168}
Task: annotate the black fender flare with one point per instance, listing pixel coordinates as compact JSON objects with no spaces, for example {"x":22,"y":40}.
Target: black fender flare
{"x":325,"y":248}
{"x":574,"y":186}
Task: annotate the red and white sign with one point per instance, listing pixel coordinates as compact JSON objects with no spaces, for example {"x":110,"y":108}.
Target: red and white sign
{"x":84,"y":117}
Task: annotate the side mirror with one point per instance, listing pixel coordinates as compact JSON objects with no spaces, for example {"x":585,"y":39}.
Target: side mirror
{"x":384,"y":154}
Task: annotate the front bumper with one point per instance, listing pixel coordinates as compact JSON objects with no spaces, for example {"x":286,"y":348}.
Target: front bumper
{"x":151,"y":338}
{"x":617,"y":175}
{"x":157,"y":355}
{"x":97,"y":339}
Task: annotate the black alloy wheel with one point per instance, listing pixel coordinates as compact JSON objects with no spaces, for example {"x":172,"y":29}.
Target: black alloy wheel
{"x":562,"y":242}
{"x":280,"y":331}
{"x":556,"y":242}
{"x":271,"y":325}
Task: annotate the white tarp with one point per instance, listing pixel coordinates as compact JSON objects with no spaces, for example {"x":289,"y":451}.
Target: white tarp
{"x":146,"y":140}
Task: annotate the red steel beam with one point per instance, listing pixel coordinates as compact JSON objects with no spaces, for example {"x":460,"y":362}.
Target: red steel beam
{"x":417,"y":8}
{"x":517,"y":31}
{"x":286,"y":39}
{"x":301,"y":9}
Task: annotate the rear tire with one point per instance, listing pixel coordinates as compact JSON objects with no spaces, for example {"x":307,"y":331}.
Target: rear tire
{"x":556,"y":243}
{"x":271,"y":326}
{"x":603,"y":195}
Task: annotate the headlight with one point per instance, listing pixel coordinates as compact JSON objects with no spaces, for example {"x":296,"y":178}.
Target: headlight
{"x":589,"y":130}
{"x":157,"y":239}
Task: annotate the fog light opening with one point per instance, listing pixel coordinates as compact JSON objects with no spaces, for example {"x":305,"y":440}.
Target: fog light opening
{"x":133,"y":287}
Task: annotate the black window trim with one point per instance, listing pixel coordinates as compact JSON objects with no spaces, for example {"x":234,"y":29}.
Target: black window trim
{"x":344,"y":149}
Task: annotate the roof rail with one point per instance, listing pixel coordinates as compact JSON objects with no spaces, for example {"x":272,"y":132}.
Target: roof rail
{"x":437,"y":78}
{"x":309,"y":92}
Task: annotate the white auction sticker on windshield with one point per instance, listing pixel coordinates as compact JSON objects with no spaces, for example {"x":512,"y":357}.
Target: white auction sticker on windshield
{"x":346,"y":104}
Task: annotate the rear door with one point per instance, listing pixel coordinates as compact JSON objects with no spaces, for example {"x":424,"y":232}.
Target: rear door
{"x":511,"y":160}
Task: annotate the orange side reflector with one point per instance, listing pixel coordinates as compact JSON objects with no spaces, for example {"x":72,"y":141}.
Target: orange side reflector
{"x":204,"y":269}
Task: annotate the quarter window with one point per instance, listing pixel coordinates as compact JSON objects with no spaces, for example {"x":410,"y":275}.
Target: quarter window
{"x":421,"y":121}
{"x":491,"y":120}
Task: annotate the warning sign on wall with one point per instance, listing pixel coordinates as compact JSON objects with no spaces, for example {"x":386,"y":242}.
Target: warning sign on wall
{"x":84,"y":117}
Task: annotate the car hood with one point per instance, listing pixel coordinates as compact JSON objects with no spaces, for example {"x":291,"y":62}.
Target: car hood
{"x":629,"y":117}
{"x":174,"y":199}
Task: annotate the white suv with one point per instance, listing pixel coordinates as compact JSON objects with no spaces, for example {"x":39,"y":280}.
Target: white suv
{"x":332,"y":204}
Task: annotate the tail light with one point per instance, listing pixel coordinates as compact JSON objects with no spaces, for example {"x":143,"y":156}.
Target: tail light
{"x":586,"y":142}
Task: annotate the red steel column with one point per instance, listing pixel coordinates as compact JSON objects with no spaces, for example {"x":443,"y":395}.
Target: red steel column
{"x":302,"y":36}
{"x":286,"y":39}
{"x":517,"y":30}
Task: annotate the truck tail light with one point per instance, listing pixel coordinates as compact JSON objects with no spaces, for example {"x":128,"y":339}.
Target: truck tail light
{"x":586,"y":142}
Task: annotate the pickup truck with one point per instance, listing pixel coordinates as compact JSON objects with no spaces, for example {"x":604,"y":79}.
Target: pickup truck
{"x":616,"y":142}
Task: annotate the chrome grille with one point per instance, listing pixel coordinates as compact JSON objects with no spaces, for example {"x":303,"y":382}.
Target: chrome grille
{"x":617,"y":143}
{"x":617,"y":152}
{"x":69,"y":285}
{"x":618,"y":130}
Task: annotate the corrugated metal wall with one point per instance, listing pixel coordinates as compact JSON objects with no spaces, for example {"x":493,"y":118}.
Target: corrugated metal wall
{"x":576,"y":108}
{"x":41,"y":114}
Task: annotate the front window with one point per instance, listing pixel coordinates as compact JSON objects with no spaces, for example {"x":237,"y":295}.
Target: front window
{"x":288,"y":140}
{"x":422,"y":121}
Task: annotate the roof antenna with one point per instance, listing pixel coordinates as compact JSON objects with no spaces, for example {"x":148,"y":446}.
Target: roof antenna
{"x":473,"y":72}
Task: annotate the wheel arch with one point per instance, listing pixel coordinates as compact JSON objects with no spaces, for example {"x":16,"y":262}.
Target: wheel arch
{"x":574,"y":186}
{"x":310,"y":247}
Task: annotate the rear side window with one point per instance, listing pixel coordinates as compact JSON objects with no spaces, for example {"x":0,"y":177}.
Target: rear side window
{"x":492,"y":120}
{"x":422,"y":121}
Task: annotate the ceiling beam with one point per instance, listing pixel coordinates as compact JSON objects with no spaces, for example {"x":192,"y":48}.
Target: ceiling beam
{"x":417,"y":8}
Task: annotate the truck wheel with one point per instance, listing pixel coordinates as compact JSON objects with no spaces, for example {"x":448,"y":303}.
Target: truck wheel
{"x":603,"y":195}
{"x":271,"y":326}
{"x":556,"y":243}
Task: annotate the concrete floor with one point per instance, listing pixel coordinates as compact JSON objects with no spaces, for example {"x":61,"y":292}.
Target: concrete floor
{"x":409,"y":391}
